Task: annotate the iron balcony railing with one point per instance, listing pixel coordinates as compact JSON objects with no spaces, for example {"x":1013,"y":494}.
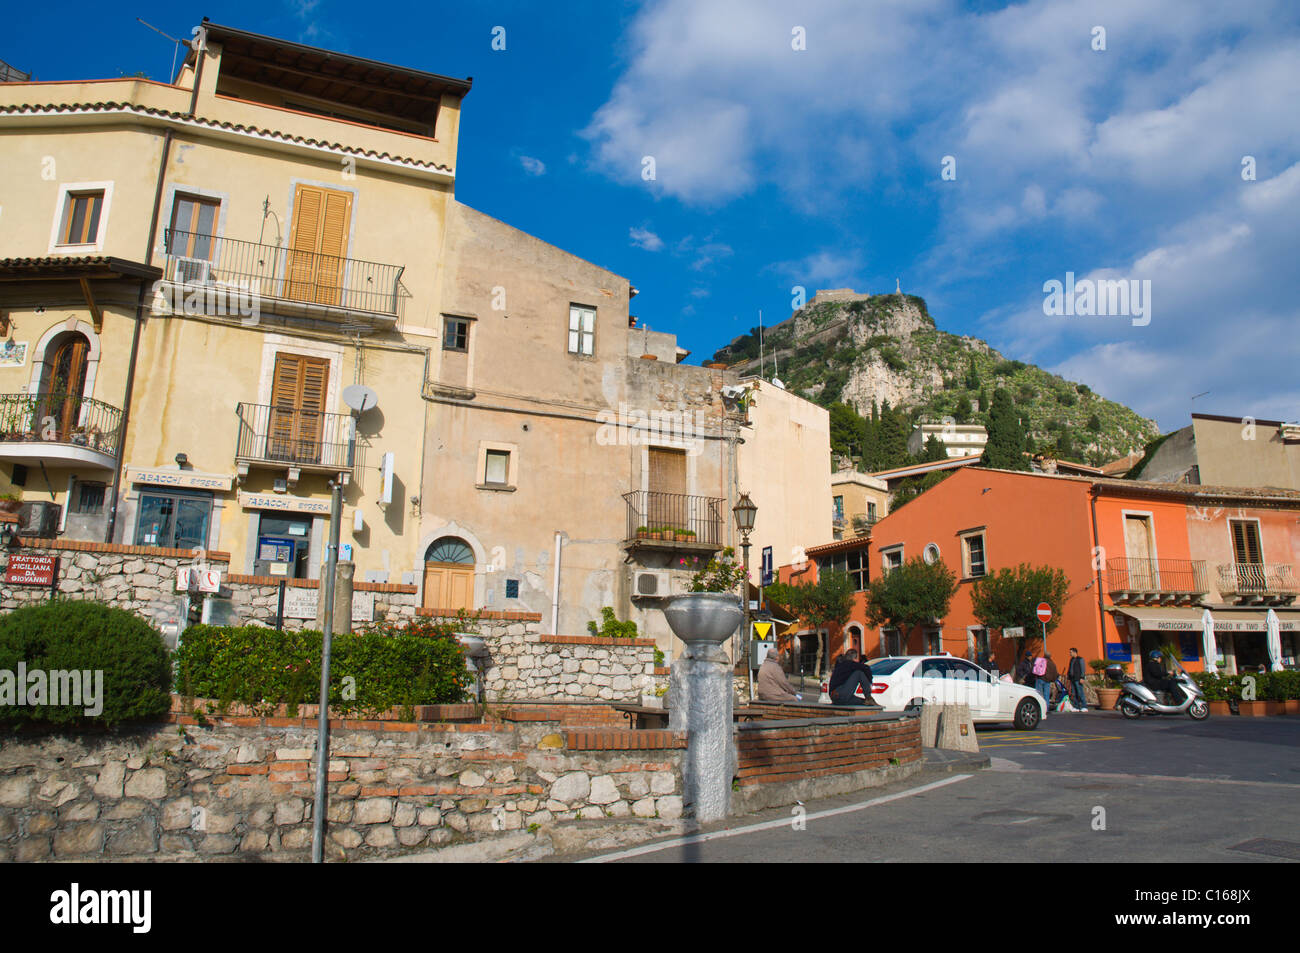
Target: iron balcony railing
{"x":1257,"y":579}
{"x":649,"y":512}
{"x":1157,"y":576}
{"x":280,"y":273}
{"x":61,"y":418}
{"x":293,"y":437}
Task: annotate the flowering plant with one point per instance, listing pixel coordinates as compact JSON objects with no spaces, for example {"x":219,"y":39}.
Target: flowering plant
{"x":721,"y":574}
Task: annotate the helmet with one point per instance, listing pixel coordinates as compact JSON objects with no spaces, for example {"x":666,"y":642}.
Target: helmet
{"x":1154,"y":654}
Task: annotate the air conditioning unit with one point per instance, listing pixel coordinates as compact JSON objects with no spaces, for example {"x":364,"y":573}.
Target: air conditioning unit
{"x":650,"y":583}
{"x":39,"y":518}
{"x":193,"y":271}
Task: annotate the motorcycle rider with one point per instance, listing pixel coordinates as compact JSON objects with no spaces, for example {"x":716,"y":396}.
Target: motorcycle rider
{"x":1156,"y":677}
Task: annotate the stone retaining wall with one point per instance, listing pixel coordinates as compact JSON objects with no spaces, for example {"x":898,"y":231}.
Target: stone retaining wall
{"x":246,"y":789}
{"x":562,"y":668}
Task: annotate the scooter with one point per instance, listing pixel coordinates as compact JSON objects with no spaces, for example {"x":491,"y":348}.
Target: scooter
{"x":1136,"y":699}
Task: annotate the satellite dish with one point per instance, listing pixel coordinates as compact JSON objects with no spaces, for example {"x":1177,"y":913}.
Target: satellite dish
{"x":360,"y":398}
{"x":776,"y":382}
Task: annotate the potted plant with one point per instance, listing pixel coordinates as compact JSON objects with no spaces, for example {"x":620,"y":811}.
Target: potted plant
{"x":1290,"y":683}
{"x":1107,"y":693}
{"x":642,"y":532}
{"x":1215,"y":687}
{"x":706,"y":616}
{"x":686,"y":535}
{"x":10,"y":503}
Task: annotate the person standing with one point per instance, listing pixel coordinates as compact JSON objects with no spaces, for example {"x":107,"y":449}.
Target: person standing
{"x":1043,"y":668}
{"x":1074,"y":673}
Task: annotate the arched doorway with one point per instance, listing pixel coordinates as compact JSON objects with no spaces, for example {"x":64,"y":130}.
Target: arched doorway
{"x":63,"y":385}
{"x":449,"y":574}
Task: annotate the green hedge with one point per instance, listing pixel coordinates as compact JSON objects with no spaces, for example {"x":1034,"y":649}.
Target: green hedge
{"x":1269,"y":686}
{"x":389,"y":667}
{"x":67,"y":635}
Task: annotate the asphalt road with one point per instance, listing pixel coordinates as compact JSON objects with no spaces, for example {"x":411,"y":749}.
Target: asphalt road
{"x":1085,"y":788}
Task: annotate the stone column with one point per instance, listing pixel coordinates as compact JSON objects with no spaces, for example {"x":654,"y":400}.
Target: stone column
{"x":342,"y":599}
{"x":700,"y":704}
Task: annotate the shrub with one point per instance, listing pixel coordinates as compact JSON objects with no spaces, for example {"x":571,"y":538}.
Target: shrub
{"x":69,"y":635}
{"x":611,"y":628}
{"x":387,"y":667}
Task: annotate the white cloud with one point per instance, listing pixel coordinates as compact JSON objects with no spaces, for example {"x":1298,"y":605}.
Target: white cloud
{"x":532,"y":166}
{"x":646,"y":239}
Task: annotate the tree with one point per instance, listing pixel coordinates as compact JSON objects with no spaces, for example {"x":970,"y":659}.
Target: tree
{"x":848,"y":430}
{"x":1005,"y":447}
{"x":962,"y":412}
{"x":913,"y":487}
{"x":934,"y":450}
{"x":972,"y":377}
{"x":1009,"y":598}
{"x":915,"y":593}
{"x":894,"y":431}
{"x":825,"y":603}
{"x":1094,"y":423}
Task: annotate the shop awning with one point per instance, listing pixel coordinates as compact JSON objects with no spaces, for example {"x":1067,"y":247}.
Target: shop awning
{"x":1254,"y":620}
{"x":1172,"y":619}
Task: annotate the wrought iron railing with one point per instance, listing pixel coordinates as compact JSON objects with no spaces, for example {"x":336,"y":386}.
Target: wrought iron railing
{"x":698,"y":518}
{"x":293,"y":437}
{"x":61,"y":418}
{"x":1257,"y":579}
{"x":1156,"y":576}
{"x":277,"y":272}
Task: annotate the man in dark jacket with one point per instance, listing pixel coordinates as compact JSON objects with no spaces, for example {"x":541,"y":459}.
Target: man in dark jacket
{"x":1074,"y":674}
{"x":848,"y":675}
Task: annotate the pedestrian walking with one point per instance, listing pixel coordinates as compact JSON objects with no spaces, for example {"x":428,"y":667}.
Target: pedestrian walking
{"x":1074,"y":672}
{"x":1045,"y":675}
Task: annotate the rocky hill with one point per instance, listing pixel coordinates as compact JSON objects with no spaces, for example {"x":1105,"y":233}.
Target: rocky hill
{"x":856,"y":349}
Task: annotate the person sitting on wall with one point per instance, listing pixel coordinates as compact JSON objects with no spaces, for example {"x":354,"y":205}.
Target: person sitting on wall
{"x":773,"y":686}
{"x":849,"y":675}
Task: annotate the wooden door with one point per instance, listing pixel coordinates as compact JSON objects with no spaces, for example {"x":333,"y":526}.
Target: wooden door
{"x":1137,"y":545}
{"x":318,"y":242}
{"x":448,"y":586}
{"x":298,"y":394}
{"x":67,"y":381}
{"x":668,"y":505}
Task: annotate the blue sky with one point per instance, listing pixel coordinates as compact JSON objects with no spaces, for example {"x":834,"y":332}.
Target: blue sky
{"x":820,"y":167}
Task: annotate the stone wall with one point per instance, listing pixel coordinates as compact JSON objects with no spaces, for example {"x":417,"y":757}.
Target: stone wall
{"x":525,"y":665}
{"x":243,"y":786}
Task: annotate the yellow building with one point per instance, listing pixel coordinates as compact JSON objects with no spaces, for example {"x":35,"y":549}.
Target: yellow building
{"x":194,"y":273}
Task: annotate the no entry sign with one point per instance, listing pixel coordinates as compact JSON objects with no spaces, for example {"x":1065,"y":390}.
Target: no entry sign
{"x":1044,"y":612}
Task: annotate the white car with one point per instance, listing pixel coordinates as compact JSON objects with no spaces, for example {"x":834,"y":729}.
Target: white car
{"x":898,"y":681}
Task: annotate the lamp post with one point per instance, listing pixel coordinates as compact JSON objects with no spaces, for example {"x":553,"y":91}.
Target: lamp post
{"x":745,"y":511}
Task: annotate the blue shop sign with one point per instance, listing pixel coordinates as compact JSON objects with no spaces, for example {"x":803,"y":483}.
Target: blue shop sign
{"x":1119,"y":652}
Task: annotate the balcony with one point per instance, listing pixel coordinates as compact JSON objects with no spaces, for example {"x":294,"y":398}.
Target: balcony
{"x":674,"y":521}
{"x":292,"y":439}
{"x":1262,"y":583}
{"x":280,"y":280}
{"x":1156,"y":581}
{"x":59,"y":428}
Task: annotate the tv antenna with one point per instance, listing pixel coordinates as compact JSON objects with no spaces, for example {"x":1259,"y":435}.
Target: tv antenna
{"x":175,"y":48}
{"x":760,"y":342}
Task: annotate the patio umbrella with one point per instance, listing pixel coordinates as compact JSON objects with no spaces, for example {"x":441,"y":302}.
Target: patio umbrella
{"x":1274,"y":641}
{"x":1207,"y":637}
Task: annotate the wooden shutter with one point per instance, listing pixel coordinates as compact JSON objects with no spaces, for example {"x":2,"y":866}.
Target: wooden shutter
{"x":668,"y":507}
{"x":322,"y":220}
{"x":1245,"y":542}
{"x":298,"y":392}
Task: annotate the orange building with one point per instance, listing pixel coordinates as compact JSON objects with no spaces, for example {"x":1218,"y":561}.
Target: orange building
{"x":1144,"y":562}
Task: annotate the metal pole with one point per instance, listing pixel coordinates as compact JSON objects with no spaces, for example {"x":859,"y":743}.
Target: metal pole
{"x":322,"y":717}
{"x":279,"y":609}
{"x":744,"y":589}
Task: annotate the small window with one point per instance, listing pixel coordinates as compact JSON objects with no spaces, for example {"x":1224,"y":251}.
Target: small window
{"x":19,"y":477}
{"x":871,"y":512}
{"x":81,"y":218}
{"x":90,"y":499}
{"x":194,"y":227}
{"x":974,"y":556}
{"x":512,"y":588}
{"x":891,"y":559}
{"x":839,"y":507}
{"x":455,"y":334}
{"x":497,"y":469}
{"x":930,"y":554}
{"x":582,"y":330}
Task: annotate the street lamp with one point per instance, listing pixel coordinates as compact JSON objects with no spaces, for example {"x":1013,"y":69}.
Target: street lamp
{"x":744,"y":512}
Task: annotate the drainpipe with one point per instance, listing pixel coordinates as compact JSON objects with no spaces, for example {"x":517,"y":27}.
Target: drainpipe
{"x":135,"y":339}
{"x":555,"y":605}
{"x":200,"y":46}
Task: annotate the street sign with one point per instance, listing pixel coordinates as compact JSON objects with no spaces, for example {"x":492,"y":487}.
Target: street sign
{"x":767,"y":567}
{"x":762,"y":631}
{"x":1016,"y":632}
{"x":1044,"y":612}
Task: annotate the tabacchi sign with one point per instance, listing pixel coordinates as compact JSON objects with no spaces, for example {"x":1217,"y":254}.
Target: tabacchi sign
{"x":29,"y":569}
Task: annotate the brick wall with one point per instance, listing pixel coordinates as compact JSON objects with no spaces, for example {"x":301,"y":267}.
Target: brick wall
{"x":795,"y":750}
